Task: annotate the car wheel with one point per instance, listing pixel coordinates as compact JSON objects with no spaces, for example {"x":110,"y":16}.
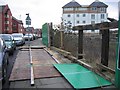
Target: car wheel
{"x":11,"y":52}
{"x":15,"y":48}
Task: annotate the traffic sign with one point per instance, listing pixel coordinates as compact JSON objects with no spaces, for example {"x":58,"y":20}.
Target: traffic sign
{"x":28,"y":20}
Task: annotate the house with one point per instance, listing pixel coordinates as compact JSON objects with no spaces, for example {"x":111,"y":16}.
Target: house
{"x":38,"y":32}
{"x":5,"y":19}
{"x":76,"y":14}
{"x":29,"y":30}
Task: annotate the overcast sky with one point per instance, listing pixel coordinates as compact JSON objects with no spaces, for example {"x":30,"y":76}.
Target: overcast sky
{"x":42,"y":11}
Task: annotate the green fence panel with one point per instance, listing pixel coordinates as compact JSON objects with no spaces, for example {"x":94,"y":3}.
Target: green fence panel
{"x":117,"y":76}
{"x":45,"y":34}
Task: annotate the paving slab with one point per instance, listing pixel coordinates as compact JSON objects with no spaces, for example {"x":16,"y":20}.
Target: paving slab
{"x":40,"y":56}
{"x":20,"y":74}
{"x":45,"y":72}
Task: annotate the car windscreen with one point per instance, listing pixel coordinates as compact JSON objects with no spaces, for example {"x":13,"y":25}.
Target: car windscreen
{"x":28,"y":35}
{"x":6,"y":37}
{"x":17,"y":35}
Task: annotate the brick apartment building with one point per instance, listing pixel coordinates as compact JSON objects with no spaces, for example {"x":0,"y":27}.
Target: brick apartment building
{"x":5,"y":19}
{"x":38,"y":32}
{"x":29,"y":30}
{"x":8,"y":23}
{"x":17,"y":26}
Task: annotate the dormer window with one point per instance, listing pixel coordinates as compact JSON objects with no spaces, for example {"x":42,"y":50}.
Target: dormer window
{"x":102,"y":9}
{"x":94,"y":8}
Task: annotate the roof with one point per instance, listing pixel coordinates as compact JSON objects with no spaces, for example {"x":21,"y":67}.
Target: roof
{"x":30,"y":28}
{"x":19,"y":21}
{"x":72,"y":4}
{"x":4,"y":8}
{"x":97,"y":3}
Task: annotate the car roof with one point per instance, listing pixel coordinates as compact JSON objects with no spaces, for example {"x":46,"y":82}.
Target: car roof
{"x":17,"y":33}
{"x":5,"y":35}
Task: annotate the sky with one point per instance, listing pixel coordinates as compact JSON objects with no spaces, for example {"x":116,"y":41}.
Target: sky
{"x":46,"y":11}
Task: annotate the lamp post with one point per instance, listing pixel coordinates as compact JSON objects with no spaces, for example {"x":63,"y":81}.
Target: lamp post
{"x":28,"y":22}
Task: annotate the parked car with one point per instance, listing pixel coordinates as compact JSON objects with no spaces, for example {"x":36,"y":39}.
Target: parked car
{"x":35,"y":36}
{"x":28,"y":36}
{"x":3,"y":62}
{"x":13,"y":42}
{"x":10,"y":43}
{"x":19,"y":38}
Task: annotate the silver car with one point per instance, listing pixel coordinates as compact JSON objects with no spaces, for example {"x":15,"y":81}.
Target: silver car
{"x":3,"y":62}
{"x":19,"y":38}
{"x":28,"y":36}
{"x":10,"y":43}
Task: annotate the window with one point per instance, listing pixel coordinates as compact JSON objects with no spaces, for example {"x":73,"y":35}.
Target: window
{"x":83,"y":9}
{"x":84,"y":15}
{"x":102,"y":21}
{"x":7,"y":29}
{"x":102,"y":16}
{"x":94,"y":8}
{"x":68,"y":15}
{"x":84,"y":22}
{"x":92,"y":22}
{"x":102,"y":9}
{"x":14,"y":29}
{"x":77,"y":15}
{"x":6,"y":22}
{"x":69,"y":22}
{"x":68,"y":9}
{"x":78,"y":22}
{"x":14,"y":24}
{"x":93,"y":16}
{"x":6,"y":15}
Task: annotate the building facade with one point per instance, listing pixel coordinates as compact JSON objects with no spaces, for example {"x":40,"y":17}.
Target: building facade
{"x":75,"y":14}
{"x":5,"y":19}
